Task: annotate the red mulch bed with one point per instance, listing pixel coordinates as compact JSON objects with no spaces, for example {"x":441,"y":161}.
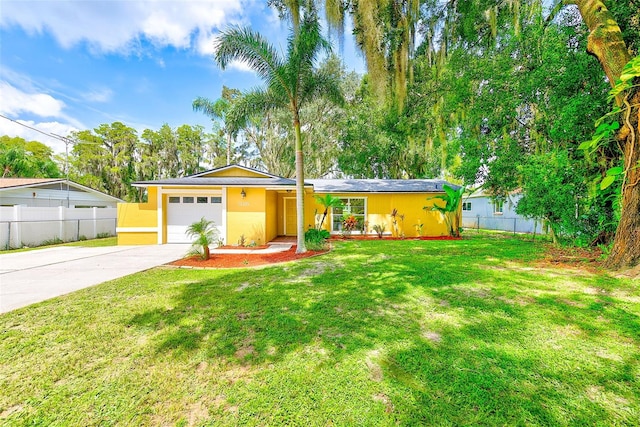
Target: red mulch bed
{"x":244,"y":260}
{"x":370,"y":237}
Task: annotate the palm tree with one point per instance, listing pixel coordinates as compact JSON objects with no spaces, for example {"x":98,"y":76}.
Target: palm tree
{"x":205,"y":233}
{"x":328,"y":202}
{"x":290,"y":81}
{"x":450,"y":210}
{"x":219,"y":109}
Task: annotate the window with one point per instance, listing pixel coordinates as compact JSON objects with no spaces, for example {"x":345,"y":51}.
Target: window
{"x":202,"y":199}
{"x":174,"y":199}
{"x":466,"y":206}
{"x":497,"y":207}
{"x":187,"y":200}
{"x":216,"y":200}
{"x":350,"y":206}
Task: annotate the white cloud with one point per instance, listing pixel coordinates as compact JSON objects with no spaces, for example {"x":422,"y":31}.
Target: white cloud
{"x":99,"y":95}
{"x":14,"y":129}
{"x":15,"y":101}
{"x":120,"y":25}
{"x":240,"y":66}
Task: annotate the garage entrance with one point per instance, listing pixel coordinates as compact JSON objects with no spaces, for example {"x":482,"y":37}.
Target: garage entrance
{"x":182,"y":211}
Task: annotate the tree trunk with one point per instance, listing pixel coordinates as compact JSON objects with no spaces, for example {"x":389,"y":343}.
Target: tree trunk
{"x":626,"y":243}
{"x":299,"y":187}
{"x":605,"y":42}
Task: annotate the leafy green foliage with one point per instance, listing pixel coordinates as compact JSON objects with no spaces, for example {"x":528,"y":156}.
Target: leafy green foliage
{"x":205,"y":233}
{"x":451,"y":208}
{"x":316,"y":239}
{"x":26,"y":159}
{"x":329,"y":201}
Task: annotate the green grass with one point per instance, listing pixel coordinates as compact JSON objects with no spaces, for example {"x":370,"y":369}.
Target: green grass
{"x":92,"y":243}
{"x":471,"y":332}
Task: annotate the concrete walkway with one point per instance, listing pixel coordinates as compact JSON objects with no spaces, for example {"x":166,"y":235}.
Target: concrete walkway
{"x":34,"y":276}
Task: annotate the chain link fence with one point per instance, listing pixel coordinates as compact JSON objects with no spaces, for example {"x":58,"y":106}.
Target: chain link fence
{"x":514,"y":225}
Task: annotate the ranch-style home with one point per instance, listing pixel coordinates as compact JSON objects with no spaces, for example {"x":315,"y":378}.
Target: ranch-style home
{"x":256,"y":207}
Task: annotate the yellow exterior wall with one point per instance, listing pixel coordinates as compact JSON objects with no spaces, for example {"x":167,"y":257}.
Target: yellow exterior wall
{"x":235,"y":172}
{"x":260,"y":216}
{"x":380,"y":205}
{"x":135,"y":216}
{"x":246,"y":216}
{"x":137,"y":238}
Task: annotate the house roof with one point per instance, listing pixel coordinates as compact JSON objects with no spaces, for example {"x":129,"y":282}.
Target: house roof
{"x":9,"y":184}
{"x":379,"y":185}
{"x":26,"y":182}
{"x":219,"y":181}
{"x":248,"y":177}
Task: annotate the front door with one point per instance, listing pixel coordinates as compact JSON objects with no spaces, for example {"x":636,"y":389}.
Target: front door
{"x":290,"y":219}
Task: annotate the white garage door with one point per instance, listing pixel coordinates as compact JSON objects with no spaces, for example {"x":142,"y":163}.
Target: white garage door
{"x":183,"y":211}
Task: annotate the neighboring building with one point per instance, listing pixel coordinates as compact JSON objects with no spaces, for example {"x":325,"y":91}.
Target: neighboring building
{"x":38,"y":210}
{"x":481,"y":210}
{"x":52,"y":192}
{"x":260,"y":206}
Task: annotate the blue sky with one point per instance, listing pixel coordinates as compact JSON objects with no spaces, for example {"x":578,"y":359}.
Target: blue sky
{"x":69,"y":65}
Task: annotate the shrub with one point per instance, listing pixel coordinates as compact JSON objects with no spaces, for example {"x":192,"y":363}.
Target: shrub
{"x":348,"y":225}
{"x":379,"y":229}
{"x":316,"y":239}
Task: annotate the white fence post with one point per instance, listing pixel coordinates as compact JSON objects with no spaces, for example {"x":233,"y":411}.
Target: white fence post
{"x":95,"y":222}
{"x":61,"y":219}
{"x":17,"y":235}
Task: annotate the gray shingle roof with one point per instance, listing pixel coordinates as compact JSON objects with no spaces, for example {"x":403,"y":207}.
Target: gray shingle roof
{"x":378,"y":185}
{"x":220,"y":181}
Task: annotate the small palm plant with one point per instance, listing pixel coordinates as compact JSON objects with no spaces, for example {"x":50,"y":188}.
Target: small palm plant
{"x":205,"y":234}
{"x":450,"y":209}
{"x":328,"y":202}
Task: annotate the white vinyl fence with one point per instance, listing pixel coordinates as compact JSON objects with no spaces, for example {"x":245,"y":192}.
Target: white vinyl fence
{"x":31,"y":226}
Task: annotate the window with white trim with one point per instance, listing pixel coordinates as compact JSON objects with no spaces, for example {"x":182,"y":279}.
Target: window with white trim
{"x":466,"y":206}
{"x":352,"y":206}
{"x":498,"y":206}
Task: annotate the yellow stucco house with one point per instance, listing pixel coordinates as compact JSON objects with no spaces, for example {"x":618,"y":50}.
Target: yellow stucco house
{"x":257,"y":206}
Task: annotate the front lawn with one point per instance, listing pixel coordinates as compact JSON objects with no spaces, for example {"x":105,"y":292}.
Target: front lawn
{"x":473,"y":332}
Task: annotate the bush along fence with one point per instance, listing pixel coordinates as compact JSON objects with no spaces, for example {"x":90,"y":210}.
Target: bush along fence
{"x":22,"y":226}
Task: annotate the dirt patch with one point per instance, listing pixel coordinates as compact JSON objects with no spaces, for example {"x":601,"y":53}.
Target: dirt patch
{"x":244,"y":260}
{"x":9,"y":411}
{"x":572,"y":258}
{"x":384,"y":399}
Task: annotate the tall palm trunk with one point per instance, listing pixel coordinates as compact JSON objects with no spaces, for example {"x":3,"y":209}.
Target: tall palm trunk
{"x":605,"y":42}
{"x":299,"y":186}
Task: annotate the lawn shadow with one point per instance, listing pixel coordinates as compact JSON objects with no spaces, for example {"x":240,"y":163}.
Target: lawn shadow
{"x":447,"y":323}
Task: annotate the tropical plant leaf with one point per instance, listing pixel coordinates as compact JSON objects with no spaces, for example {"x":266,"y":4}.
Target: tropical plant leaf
{"x":607,"y":181}
{"x":617,"y":170}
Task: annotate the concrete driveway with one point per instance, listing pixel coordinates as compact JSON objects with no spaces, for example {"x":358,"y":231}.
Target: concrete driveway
{"x":33,"y":276}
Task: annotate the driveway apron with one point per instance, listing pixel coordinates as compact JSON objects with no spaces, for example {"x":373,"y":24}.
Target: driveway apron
{"x":34,"y":276}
